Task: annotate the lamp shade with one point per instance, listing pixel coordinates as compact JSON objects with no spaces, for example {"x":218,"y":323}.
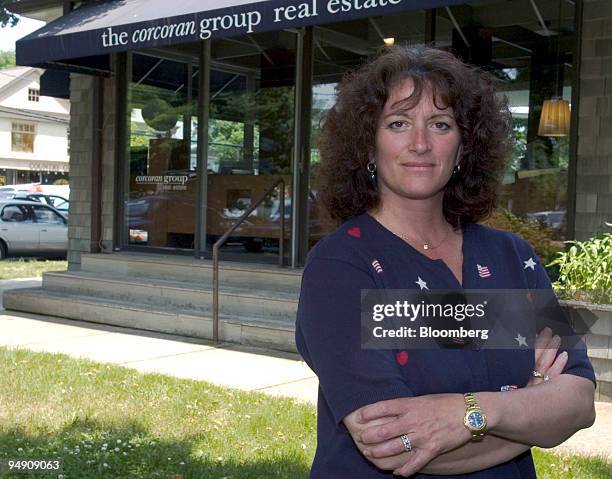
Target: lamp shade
{"x":555,"y":118}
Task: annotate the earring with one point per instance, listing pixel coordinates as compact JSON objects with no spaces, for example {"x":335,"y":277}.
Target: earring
{"x":371,"y":167}
{"x":456,"y":169}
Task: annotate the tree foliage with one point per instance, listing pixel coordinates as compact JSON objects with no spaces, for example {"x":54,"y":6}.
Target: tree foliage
{"x":7,"y":17}
{"x":7,"y":59}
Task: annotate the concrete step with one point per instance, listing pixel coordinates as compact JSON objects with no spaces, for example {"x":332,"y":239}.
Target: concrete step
{"x":192,"y":270}
{"x":237,"y":329}
{"x":195,"y":297}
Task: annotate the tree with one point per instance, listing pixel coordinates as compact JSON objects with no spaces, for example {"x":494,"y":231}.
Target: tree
{"x":7,"y":59}
{"x":6,"y":17}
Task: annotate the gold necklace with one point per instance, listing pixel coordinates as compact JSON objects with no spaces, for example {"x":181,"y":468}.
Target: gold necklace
{"x":427,"y":246}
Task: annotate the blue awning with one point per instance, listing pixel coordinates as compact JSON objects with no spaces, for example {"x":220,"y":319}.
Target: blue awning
{"x":83,"y":38}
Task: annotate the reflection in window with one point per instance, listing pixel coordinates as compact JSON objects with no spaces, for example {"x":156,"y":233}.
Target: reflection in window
{"x":45,"y":215}
{"x":161,"y":203}
{"x":227,"y":152}
{"x":251,"y":117}
{"x":13,"y":213}
{"x":341,"y":47}
{"x":534,"y":64}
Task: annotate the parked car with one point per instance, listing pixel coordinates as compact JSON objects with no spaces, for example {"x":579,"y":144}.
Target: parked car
{"x":58,"y":202}
{"x":554,"y":219}
{"x":31,"y":228}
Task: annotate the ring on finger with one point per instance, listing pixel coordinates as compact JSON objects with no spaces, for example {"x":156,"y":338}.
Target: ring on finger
{"x":406,"y":441}
{"x":538,"y":374}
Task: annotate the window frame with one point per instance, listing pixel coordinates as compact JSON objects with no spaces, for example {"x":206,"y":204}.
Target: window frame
{"x":34,"y":95}
{"x":22,"y":128}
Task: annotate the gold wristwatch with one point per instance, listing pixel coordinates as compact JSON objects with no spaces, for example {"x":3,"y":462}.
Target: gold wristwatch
{"x":474,"y":419}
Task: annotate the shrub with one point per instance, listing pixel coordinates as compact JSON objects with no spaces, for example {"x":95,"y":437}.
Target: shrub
{"x":585,"y":269}
{"x":537,"y":235}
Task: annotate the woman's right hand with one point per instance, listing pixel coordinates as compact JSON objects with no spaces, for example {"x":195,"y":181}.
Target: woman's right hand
{"x":546,"y":359}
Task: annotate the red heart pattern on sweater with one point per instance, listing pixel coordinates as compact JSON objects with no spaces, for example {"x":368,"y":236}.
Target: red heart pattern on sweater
{"x":401,"y":357}
{"x":355,"y":232}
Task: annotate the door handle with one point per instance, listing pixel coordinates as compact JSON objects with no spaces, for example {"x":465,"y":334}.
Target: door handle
{"x":43,"y":230}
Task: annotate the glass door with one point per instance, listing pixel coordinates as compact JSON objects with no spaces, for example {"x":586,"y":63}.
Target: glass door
{"x":161,"y":198}
{"x":250,"y":141}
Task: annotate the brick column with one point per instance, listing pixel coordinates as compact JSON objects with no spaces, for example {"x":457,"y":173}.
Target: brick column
{"x":594,"y":162}
{"x":81,"y":160}
{"x":108,"y":164}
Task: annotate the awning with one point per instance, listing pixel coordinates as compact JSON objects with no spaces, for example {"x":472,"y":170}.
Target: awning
{"x":82,"y":39}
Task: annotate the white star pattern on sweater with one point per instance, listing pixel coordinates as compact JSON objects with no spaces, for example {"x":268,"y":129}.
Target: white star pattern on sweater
{"x":421,"y":283}
{"x":521,"y":340}
{"x":530,"y":263}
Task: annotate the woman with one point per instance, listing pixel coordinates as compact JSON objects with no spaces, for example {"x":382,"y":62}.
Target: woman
{"x":412,"y":153}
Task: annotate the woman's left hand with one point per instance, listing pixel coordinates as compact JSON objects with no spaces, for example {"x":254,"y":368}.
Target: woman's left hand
{"x":547,"y":361}
{"x":433,"y":423}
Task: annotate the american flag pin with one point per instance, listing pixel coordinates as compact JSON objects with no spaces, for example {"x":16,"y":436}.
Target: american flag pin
{"x":483,"y":271}
{"x":377,"y":266}
{"x":508,"y":387}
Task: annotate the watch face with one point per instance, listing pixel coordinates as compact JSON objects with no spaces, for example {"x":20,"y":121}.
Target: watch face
{"x":475,"y":420}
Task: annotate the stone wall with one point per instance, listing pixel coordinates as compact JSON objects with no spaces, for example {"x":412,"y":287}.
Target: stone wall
{"x":598,"y":321}
{"x":81,"y":160}
{"x":594,"y":165}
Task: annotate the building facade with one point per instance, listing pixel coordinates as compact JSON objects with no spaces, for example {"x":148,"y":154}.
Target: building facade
{"x":33,"y":130}
{"x":193,"y":132}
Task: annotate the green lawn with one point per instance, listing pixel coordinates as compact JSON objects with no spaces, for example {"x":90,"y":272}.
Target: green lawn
{"x":552,"y":466}
{"x":112,"y":422}
{"x":109,"y":421}
{"x":29,"y":268}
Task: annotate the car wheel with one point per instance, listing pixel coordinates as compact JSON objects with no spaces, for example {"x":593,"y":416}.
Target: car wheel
{"x":3,"y":250}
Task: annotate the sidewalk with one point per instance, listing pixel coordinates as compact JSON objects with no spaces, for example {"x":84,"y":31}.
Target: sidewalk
{"x":236,"y":366}
{"x":231,"y":365}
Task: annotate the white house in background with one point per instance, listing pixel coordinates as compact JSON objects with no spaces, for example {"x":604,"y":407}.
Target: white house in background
{"x":33,"y":130}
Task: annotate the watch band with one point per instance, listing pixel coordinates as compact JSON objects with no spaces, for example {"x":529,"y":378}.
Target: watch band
{"x":470,"y":400}
{"x":472,"y":406}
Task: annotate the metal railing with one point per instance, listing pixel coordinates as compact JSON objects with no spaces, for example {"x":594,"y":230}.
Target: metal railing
{"x":226,"y":235}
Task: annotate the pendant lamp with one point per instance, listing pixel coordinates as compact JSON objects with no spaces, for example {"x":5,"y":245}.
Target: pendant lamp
{"x":555,"y":118}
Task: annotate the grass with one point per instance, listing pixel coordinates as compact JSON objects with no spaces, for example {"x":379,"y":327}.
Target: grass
{"x":554,"y":466}
{"x":113,"y":422}
{"x":29,"y":267}
{"x":107,"y":421}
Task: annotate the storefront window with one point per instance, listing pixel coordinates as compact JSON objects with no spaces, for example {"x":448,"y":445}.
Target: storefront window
{"x":534,"y":62}
{"x":251,"y":122}
{"x":341,"y":47}
{"x":162,"y":117}
{"x":55,"y":178}
{"x":25,"y":177}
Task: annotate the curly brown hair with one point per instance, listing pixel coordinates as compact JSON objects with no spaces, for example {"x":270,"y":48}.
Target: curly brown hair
{"x":347,"y":139}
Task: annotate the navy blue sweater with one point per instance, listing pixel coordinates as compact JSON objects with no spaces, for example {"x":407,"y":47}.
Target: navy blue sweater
{"x":363,"y":254}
